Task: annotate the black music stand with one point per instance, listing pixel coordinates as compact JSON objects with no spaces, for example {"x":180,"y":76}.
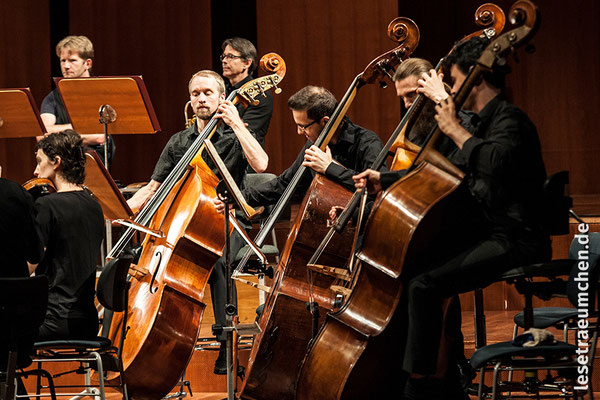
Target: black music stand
{"x":19,"y":116}
{"x":229,"y":193}
{"x":120,"y":103}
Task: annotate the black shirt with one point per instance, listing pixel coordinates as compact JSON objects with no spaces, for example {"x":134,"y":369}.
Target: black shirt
{"x":356,"y":148}
{"x":225,"y":141}
{"x":257,"y":117}
{"x":503,"y":164}
{"x":72,"y":227}
{"x":20,"y":239}
{"x":53,"y":104}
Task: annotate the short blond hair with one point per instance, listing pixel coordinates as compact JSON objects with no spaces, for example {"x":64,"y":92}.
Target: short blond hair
{"x":206,"y":73}
{"x":412,"y":67}
{"x":79,"y":44}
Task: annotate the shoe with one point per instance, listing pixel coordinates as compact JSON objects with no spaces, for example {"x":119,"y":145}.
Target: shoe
{"x":221,"y":364}
{"x":221,"y":361}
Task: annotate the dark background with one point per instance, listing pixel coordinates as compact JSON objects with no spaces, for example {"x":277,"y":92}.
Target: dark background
{"x":323,"y":42}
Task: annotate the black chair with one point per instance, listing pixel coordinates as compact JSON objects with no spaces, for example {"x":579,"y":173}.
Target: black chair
{"x":505,"y":356}
{"x":560,"y":356}
{"x":23,"y":304}
{"x":100,"y":353}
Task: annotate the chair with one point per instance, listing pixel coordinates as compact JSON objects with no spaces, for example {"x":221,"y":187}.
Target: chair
{"x":22,"y":310}
{"x":560,"y":356}
{"x":100,"y":353}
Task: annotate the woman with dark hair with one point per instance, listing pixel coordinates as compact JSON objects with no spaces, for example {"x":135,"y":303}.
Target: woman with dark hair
{"x":71,"y":223}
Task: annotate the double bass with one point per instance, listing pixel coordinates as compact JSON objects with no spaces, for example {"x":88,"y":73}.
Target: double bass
{"x":286,"y":325}
{"x":186,"y":239}
{"x":358,"y":344}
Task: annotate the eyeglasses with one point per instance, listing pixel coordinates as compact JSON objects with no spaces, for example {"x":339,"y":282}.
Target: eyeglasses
{"x":303,"y":128}
{"x":229,"y":57}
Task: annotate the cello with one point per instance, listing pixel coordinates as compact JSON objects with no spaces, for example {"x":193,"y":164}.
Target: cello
{"x":286,"y":326}
{"x":185,"y":240}
{"x":348,"y":349}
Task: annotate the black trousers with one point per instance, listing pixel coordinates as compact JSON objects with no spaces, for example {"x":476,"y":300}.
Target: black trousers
{"x":475,"y":267}
{"x":218,"y":283}
{"x":68,"y":328}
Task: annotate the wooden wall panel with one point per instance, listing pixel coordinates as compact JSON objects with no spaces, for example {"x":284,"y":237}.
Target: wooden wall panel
{"x":25,"y":49}
{"x":166,"y":43}
{"x":326,"y":43}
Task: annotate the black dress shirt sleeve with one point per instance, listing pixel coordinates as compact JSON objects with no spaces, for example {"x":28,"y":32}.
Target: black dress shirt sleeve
{"x":270,"y":192}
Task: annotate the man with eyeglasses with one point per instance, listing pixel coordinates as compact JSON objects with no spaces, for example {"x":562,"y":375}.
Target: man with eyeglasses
{"x":239,"y":60}
{"x":352,"y":148}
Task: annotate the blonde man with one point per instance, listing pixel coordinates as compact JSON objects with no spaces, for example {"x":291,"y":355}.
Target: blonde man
{"x":76,"y":55}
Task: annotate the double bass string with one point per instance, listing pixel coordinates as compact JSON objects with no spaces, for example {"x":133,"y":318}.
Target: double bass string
{"x":146,"y":214}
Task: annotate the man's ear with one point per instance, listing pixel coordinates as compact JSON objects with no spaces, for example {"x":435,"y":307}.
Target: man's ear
{"x":324,"y":121}
{"x":88,"y":63}
{"x":247,"y":64}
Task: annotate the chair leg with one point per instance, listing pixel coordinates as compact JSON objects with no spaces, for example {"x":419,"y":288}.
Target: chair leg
{"x":510,"y":372}
{"x":100,"y":374}
{"x":122,"y":378}
{"x":39,"y":373}
{"x":481,"y":383}
{"x":10,"y":375}
{"x":495,"y":380}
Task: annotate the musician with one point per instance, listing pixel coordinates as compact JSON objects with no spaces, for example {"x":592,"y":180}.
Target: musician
{"x":406,"y":83}
{"x":353,"y":147}
{"x":20,"y":243}
{"x":237,"y":146}
{"x":499,"y":152}
{"x":239,"y":61}
{"x":76,"y":54}
{"x":72,"y":227}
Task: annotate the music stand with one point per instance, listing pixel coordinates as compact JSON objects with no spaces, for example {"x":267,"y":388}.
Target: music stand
{"x":99,"y":182}
{"x":19,"y":116}
{"x":120,"y":103}
{"x":104,"y":189}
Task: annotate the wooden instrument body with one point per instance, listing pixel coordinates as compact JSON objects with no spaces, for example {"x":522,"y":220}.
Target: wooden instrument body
{"x":286,"y":324}
{"x":401,"y":237}
{"x":165,"y":312}
{"x":360,"y":347}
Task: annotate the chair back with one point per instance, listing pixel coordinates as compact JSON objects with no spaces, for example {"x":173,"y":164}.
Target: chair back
{"x":585,"y":251}
{"x":557,"y":204}
{"x":112,"y":289}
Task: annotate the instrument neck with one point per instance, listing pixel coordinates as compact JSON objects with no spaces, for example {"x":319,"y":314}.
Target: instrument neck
{"x":322,"y":141}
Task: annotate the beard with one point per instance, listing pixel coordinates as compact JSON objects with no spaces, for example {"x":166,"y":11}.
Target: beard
{"x":204,"y":114}
{"x":423,"y":125}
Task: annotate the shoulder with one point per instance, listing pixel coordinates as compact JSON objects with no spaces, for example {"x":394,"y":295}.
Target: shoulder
{"x":181,"y":136}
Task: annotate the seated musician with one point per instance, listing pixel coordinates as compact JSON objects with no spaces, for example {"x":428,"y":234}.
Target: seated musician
{"x":20,"y":243}
{"x":76,"y":54}
{"x":353,"y":147}
{"x":72,"y":227}
{"x":239,"y":61}
{"x":237,"y":146}
{"x":501,"y":157}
